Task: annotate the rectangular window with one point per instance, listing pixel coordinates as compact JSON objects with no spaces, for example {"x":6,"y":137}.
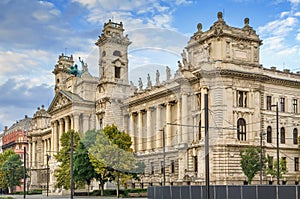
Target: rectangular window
{"x":172,"y":166}
{"x":269,"y":102}
{"x":296,"y":160}
{"x":241,"y":98}
{"x":162,"y":168}
{"x":117,"y":72}
{"x":152,"y":168}
{"x":195,"y":163}
{"x":295,"y":105}
{"x":282,"y":104}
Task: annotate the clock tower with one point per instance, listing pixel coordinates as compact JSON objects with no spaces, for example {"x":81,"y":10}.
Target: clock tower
{"x":113,"y":74}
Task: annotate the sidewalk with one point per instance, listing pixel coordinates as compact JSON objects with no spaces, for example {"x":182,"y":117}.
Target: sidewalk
{"x":59,"y":197}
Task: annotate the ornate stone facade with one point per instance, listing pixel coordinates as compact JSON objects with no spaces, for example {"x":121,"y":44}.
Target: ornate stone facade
{"x":222,"y":62}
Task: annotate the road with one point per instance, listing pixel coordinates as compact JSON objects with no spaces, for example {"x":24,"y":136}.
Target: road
{"x":59,"y":197}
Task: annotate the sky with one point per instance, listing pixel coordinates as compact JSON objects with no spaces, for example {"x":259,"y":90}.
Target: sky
{"x":34,"y":33}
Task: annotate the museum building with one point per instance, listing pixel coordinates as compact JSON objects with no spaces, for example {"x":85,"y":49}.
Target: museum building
{"x":165,"y":118}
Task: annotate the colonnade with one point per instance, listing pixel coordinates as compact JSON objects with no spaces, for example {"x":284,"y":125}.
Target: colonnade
{"x":146,"y":126}
{"x":37,"y":154}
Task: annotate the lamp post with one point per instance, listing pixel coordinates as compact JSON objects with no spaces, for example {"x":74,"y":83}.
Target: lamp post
{"x":277,"y":140}
{"x":164,"y":154}
{"x":24,"y":174}
{"x":71,"y":165}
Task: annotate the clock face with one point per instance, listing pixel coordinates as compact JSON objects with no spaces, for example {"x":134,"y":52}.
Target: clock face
{"x":118,"y":63}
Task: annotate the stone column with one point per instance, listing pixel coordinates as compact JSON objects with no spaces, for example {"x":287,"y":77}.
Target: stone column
{"x":131,"y":132}
{"x":76,"y":121}
{"x":140,"y":131}
{"x":67,"y":123}
{"x":159,"y":127}
{"x":85,"y":125}
{"x":45,"y":151}
{"x":55,"y":137}
{"x":168,"y":135}
{"x":149,"y":129}
{"x":184,"y":118}
{"x":72,"y":122}
{"x":33,"y":154}
{"x":125,"y":123}
{"x":30,"y":153}
{"x":61,"y":131}
{"x":179,"y":121}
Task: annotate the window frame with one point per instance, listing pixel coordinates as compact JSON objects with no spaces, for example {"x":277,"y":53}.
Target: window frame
{"x":282,"y":135}
{"x":269,"y":103}
{"x":295,"y":136}
{"x":282,"y":104}
{"x":269,"y":134}
{"x":241,"y":132}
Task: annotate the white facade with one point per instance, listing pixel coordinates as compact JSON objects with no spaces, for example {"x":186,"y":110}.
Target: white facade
{"x":222,"y":62}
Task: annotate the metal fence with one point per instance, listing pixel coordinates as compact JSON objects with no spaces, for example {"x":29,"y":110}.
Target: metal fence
{"x":225,"y":192}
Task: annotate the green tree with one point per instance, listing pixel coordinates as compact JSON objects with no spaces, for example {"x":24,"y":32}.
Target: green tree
{"x":250,"y":162}
{"x":62,"y":174}
{"x":84,"y":171}
{"x":272,"y":167}
{"x":13,"y":171}
{"x":4,"y":157}
{"x":111,"y":154}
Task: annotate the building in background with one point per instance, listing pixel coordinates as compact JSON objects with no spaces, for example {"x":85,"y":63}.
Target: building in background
{"x":222,"y":62}
{"x":15,"y":138}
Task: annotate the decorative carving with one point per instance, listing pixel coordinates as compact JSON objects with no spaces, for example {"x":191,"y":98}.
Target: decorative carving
{"x":157,"y":78}
{"x":168,"y":73}
{"x":149,"y":83}
{"x":140,"y":84}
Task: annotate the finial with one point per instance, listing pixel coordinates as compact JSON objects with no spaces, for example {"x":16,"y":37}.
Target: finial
{"x":220,"y":15}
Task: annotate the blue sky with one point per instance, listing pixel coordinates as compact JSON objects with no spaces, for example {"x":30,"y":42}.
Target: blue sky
{"x":33,"y":34}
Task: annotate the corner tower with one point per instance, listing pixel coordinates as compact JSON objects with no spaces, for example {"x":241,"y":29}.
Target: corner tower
{"x":113,"y":73}
{"x":61,"y":71}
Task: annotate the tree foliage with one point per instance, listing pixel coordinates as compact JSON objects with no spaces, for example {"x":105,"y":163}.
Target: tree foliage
{"x":111,"y":154}
{"x":13,"y":170}
{"x":4,"y":157}
{"x":84,"y":171}
{"x":250,"y":162}
{"x":272,"y":167}
{"x":62,"y":174}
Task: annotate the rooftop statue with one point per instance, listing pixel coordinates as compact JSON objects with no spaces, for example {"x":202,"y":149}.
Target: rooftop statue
{"x":73,"y":70}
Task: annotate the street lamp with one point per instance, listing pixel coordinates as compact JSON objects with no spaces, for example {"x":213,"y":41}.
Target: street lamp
{"x":277,"y":140}
{"x":164,"y":154}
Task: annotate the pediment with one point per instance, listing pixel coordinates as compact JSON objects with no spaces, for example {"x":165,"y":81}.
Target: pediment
{"x":118,"y":62}
{"x":59,"y":101}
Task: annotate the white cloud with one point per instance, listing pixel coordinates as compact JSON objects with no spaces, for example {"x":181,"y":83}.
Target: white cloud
{"x":284,"y":14}
{"x":298,"y":37}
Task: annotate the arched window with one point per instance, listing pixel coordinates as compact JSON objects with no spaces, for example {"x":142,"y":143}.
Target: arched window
{"x":117,"y":53}
{"x":269,"y":134}
{"x":295,"y":136}
{"x":282,"y":135}
{"x":103,"y":53}
{"x":241,"y":129}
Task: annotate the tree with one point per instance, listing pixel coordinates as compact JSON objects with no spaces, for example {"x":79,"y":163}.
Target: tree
{"x":13,"y":171}
{"x":62,"y":174}
{"x":250,"y":162}
{"x":272,"y":167}
{"x":4,"y":157}
{"x":83,"y":169}
{"x":111,"y":154}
